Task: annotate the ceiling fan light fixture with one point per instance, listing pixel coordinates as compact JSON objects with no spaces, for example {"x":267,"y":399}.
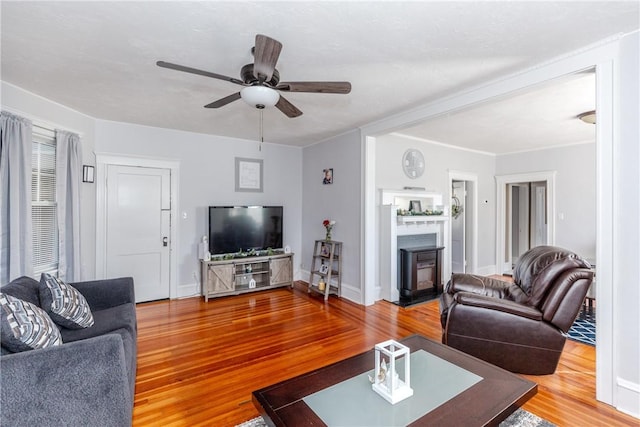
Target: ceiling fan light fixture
{"x":260,"y":96}
{"x":588,"y":117}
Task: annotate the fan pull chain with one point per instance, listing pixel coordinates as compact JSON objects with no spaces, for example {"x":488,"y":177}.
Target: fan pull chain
{"x":261,"y":129}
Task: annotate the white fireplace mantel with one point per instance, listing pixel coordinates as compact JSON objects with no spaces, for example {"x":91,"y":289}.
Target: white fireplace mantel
{"x":392,"y":226}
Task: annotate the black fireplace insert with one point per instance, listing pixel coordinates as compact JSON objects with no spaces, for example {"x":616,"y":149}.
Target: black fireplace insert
{"x":421,"y":273}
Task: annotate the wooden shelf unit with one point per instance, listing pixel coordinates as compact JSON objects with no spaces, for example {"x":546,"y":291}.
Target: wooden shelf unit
{"x":326,"y":253}
{"x":249,"y":274}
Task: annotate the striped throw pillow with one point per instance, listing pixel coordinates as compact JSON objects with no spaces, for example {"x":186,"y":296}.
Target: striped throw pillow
{"x":26,"y":326}
{"x":64,"y":303}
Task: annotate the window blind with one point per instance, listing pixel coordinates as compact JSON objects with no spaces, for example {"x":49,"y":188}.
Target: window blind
{"x":43,"y":202}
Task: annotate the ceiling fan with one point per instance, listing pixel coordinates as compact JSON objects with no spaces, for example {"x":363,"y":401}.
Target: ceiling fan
{"x":261,"y":80}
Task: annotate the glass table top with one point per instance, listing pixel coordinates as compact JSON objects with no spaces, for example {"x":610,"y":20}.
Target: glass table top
{"x":353,"y":402}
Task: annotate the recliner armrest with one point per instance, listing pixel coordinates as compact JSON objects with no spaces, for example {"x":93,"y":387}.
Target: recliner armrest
{"x":75,"y":384}
{"x":506,"y":306}
{"x":485,"y":286}
{"x":106,"y":293}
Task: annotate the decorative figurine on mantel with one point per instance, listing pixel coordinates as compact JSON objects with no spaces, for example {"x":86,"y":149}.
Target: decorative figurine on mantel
{"x":386,"y":380}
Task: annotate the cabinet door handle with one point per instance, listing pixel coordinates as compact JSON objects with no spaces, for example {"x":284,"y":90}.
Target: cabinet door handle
{"x":165,"y":241}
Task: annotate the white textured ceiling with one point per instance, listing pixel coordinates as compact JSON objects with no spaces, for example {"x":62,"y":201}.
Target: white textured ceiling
{"x":99,"y":57}
{"x":544,"y":116}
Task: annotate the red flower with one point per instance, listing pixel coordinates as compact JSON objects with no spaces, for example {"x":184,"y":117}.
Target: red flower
{"x":325,"y":222}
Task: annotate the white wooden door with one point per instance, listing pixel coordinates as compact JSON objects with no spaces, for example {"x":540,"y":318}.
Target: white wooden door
{"x":458,"y":230}
{"x":138,"y":228}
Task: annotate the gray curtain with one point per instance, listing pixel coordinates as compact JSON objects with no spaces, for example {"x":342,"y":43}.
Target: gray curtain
{"x":68,"y":178}
{"x":16,"y":145}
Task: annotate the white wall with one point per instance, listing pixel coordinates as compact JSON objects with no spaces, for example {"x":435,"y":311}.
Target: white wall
{"x":207,"y":177}
{"x":627,"y":229}
{"x":49,"y":113}
{"x":575,"y":190}
{"x":339,"y":201}
{"x":439,"y":160}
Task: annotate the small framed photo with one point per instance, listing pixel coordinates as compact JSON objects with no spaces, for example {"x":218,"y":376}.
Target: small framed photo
{"x":415,"y":206}
{"x":324,"y":250}
{"x":327,"y":176}
{"x":249,"y":175}
{"x":324,"y":268}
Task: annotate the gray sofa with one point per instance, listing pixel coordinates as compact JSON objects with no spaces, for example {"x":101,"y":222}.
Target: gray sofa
{"x":90,"y":378}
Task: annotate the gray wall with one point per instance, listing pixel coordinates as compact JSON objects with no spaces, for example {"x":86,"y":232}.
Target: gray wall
{"x":575,"y":190}
{"x":339,"y":201}
{"x":206,"y":173}
{"x":439,"y":160}
{"x":207,"y":177}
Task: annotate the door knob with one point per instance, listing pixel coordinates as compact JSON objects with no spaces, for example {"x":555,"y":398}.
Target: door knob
{"x":165,"y":241}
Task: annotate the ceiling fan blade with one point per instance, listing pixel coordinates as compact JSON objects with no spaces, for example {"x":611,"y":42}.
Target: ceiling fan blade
{"x":177,"y":67}
{"x":315,"y":87}
{"x":223,"y":101}
{"x":266,"y":53}
{"x":288,"y":108}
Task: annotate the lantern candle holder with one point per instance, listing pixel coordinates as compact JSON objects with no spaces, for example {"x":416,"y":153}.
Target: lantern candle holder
{"x":386,"y":381}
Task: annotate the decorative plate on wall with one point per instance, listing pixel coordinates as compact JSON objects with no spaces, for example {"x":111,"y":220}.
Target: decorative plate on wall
{"x":413,"y":163}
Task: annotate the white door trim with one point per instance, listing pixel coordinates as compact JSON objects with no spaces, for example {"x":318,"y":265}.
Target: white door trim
{"x":501,"y":208}
{"x":102,"y":161}
{"x":454,"y":175}
{"x":368,"y":242}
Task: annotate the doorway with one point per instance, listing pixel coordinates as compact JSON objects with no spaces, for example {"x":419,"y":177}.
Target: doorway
{"x":136,"y":207}
{"x":458,"y":229}
{"x":525,"y":214}
{"x":526,"y":225}
{"x":463,"y":222}
{"x":138,"y":228}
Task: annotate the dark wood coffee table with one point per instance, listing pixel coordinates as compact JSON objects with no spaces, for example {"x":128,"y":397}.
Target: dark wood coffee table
{"x":489,"y":401}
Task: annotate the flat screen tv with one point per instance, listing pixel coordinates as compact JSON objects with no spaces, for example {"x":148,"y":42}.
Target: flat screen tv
{"x":242,"y":228}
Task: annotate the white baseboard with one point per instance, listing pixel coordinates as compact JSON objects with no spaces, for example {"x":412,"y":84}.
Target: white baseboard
{"x":377,"y":291}
{"x":347,"y":291}
{"x":303,"y":275}
{"x":188,"y":290}
{"x":628,"y":397}
{"x":486,"y":270}
{"x":351,"y":293}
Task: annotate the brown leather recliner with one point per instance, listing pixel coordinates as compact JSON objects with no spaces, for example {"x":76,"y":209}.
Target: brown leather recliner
{"x":519,"y":326}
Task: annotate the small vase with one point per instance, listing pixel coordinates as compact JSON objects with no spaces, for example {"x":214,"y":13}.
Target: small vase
{"x":328,"y":236}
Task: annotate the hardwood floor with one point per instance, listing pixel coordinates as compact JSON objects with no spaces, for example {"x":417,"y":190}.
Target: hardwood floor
{"x":199,"y":362}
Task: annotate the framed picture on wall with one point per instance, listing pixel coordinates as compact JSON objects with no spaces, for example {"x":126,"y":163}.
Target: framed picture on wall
{"x":327,"y":176}
{"x":415,"y":206}
{"x":249,"y":175}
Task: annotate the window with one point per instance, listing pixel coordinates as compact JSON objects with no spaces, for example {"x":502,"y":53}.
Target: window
{"x":43,"y":202}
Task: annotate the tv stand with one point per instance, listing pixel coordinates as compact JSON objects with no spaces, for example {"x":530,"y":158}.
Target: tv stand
{"x":245,"y":274}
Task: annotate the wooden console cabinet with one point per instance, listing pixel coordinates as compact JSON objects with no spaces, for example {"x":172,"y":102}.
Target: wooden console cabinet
{"x":240,"y":275}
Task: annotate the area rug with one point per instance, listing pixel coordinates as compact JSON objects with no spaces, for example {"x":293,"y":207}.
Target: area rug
{"x":584,"y":328}
{"x":520,"y":418}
